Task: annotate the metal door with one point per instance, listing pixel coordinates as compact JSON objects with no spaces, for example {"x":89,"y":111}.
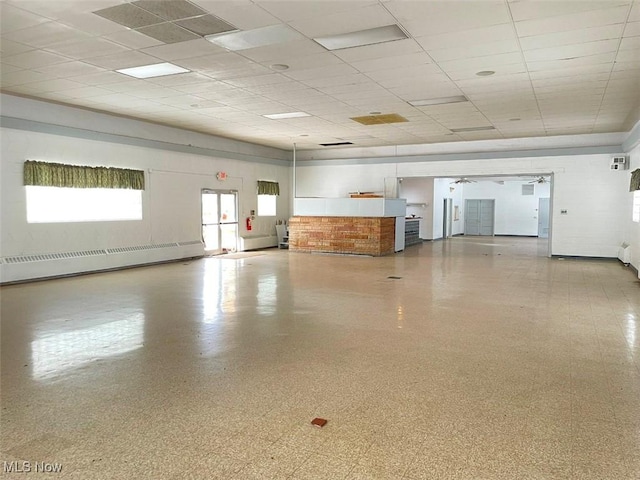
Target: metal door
{"x":479,"y":217}
{"x":219,"y":220}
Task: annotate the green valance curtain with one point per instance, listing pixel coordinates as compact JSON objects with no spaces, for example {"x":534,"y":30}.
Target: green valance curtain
{"x":47,"y":174}
{"x":635,"y":180}
{"x":268,"y":188}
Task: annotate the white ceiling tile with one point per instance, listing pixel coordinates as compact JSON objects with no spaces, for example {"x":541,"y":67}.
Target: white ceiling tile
{"x":122,"y":60}
{"x":281,"y":52}
{"x":572,"y":37}
{"x":575,"y":70}
{"x":6,"y":68}
{"x":91,"y":23}
{"x":572,"y":51}
{"x":379,"y":50}
{"x":90,"y":47}
{"x":632,"y":43}
{"x":322,"y":72}
{"x":182,"y":50}
{"x":269,"y":79}
{"x":392,"y":62}
{"x":288,"y":11}
{"x":132,"y":39}
{"x":69,"y":69}
{"x":567,"y":65}
{"x":55,"y":85}
{"x":533,"y":9}
{"x":563,"y":23}
{"x":634,"y":14}
{"x":34,"y":59}
{"x":628,"y":56}
{"x":466,"y":38}
{"x":12,"y":18}
{"x":315,"y":61}
{"x":46,"y":35}
{"x":180,"y":79}
{"x":432,"y":18}
{"x":8,"y":47}
{"x":85,"y":92}
{"x":352,"y":20}
{"x":104,"y":78}
{"x":242,"y":14}
{"x":475,"y":50}
{"x":61,"y":8}
{"x":401,"y":75}
{"x":632,"y":29}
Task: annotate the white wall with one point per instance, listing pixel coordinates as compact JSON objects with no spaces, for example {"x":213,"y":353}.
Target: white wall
{"x":171,"y":202}
{"x":631,"y":229}
{"x":515,"y":214}
{"x":592,"y":194}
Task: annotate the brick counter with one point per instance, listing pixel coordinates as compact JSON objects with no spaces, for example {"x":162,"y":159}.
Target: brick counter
{"x":352,"y":235}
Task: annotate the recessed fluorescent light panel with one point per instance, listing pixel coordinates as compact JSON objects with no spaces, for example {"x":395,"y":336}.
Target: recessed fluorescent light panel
{"x":280,"y":116}
{"x":472,"y":129}
{"x":258,"y":37}
{"x":155,"y":70}
{"x":438,"y":101}
{"x":360,"y":38}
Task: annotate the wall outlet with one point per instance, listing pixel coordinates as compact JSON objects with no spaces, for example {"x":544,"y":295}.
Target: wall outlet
{"x":563,"y":212}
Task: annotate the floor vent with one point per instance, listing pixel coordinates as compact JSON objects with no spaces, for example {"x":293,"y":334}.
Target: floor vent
{"x":394,"y":278}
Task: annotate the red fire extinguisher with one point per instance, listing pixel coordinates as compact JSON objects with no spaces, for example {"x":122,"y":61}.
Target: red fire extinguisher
{"x":248,"y":223}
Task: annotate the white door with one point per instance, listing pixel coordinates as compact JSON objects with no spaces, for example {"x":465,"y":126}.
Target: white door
{"x":479,"y":217}
{"x":543,"y":218}
{"x":219,"y":221}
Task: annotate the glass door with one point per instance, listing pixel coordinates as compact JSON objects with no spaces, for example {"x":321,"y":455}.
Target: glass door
{"x":219,"y":221}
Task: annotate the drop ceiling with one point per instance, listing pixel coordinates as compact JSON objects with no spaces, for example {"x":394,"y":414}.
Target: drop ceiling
{"x":561,"y":67}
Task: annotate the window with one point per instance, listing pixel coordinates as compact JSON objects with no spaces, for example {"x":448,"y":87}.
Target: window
{"x":636,"y":206}
{"x":267,"y":205}
{"x":57,"y":204}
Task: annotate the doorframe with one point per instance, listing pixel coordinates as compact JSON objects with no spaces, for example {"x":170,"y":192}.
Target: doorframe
{"x":218,"y":192}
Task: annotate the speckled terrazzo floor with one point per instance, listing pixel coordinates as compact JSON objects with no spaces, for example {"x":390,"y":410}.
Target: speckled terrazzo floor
{"x":485,"y":360}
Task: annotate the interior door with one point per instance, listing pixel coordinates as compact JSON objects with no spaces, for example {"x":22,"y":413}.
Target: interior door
{"x":543,"y":218}
{"x":479,"y":217}
{"x":219,"y":221}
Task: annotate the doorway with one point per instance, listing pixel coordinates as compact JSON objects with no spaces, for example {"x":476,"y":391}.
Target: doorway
{"x":479,"y":217}
{"x":447,"y":218}
{"x":220,"y":221}
{"x":543,"y":218}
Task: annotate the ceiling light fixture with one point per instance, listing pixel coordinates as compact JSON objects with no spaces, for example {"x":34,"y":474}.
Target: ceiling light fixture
{"x":258,"y":37}
{"x":388,"y":33}
{"x":438,"y":101}
{"x":279,"y":116}
{"x":472,"y":129}
{"x":155,"y":70}
{"x":485,"y":73}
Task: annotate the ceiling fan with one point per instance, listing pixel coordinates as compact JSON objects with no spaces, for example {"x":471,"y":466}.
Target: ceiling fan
{"x":464,"y":180}
{"x":539,"y":180}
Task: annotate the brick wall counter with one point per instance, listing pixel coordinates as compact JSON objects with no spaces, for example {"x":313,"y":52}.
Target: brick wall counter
{"x":353,"y":235}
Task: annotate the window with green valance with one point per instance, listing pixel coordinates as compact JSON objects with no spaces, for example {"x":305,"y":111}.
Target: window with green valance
{"x":47,"y":174}
{"x":635,"y":180}
{"x":268,"y":188}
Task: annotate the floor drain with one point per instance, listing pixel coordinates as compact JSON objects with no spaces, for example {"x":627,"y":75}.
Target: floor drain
{"x":394,"y":278}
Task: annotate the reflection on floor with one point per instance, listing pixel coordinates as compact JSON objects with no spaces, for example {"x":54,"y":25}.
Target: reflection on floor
{"x":485,"y":359}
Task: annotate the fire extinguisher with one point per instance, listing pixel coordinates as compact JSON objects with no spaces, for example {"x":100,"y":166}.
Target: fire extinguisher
{"x":248,"y":223}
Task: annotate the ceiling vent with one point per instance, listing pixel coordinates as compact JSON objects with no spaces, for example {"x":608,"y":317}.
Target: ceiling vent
{"x":170,"y":21}
{"x":380,"y":119}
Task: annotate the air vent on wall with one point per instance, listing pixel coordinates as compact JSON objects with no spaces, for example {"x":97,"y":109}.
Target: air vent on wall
{"x":619,"y":162}
{"x":335,"y":144}
{"x":527,"y":189}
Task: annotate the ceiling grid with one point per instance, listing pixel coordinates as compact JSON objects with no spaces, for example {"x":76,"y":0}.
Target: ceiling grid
{"x":527,"y":68}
